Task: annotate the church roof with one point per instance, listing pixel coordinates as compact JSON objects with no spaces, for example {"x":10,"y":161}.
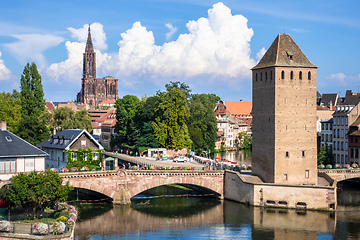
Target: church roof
{"x":284,"y":52}
{"x":89,"y":45}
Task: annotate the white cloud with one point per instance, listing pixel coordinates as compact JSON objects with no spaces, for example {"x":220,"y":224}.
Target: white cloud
{"x":172,"y":31}
{"x":260,"y":54}
{"x":97,"y":34}
{"x":31,"y":47}
{"x":216,"y":49}
{"x":340,"y":78}
{"x":5,"y":73}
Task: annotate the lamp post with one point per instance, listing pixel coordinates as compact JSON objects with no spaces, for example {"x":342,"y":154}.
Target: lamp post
{"x":8,"y":186}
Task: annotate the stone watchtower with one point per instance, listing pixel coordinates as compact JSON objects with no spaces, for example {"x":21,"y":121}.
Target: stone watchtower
{"x":95,"y":90}
{"x":284,"y":115}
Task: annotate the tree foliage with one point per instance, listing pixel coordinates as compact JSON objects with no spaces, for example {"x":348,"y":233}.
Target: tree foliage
{"x":325,"y":155}
{"x":66,"y":118}
{"x":170,"y":127}
{"x":36,"y":190}
{"x":126,"y":109}
{"x":245,"y":140}
{"x":202,"y":121}
{"x":32,"y":126}
{"x":10,"y":110}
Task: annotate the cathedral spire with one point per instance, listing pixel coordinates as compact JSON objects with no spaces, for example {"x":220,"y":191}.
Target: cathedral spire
{"x":89,"y":45}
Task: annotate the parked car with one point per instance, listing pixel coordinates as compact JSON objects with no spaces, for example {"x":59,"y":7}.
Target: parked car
{"x":180,"y":159}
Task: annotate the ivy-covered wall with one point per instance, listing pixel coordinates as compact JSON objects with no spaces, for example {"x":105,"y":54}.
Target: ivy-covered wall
{"x":81,"y":160}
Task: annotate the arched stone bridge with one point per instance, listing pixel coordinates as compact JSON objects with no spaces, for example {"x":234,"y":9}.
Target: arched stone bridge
{"x":340,"y":174}
{"x":122,"y":185}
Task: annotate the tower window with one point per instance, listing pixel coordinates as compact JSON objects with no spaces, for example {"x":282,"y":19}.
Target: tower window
{"x":300,"y":75}
{"x":307,"y":173}
{"x":256,"y":77}
{"x":303,"y":153}
{"x":287,"y":154}
{"x":291,"y":75}
{"x":282,"y":75}
{"x":265,"y":75}
{"x":260,"y":76}
{"x":309,"y":75}
{"x":270,"y":75}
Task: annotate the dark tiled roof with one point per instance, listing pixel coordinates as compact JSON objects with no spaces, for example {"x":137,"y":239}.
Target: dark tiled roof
{"x":352,"y":100}
{"x":329,"y":97}
{"x":284,"y":52}
{"x":13,"y":146}
{"x":67,"y":137}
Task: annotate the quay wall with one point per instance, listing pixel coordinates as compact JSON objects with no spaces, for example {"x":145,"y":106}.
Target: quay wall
{"x":250,"y":190}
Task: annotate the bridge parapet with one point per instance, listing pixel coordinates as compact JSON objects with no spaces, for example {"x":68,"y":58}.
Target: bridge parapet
{"x":340,"y":174}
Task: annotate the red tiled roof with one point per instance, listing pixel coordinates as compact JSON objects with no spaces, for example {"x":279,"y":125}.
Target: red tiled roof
{"x":238,"y":107}
{"x":50,"y":106}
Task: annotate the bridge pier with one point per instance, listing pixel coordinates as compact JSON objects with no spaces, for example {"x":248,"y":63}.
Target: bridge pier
{"x":122,"y":198}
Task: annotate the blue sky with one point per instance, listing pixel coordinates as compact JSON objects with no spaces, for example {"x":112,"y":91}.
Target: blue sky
{"x":209,"y":45}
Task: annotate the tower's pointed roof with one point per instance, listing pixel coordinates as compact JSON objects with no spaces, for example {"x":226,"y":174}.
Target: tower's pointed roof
{"x":284,"y":52}
{"x":89,"y":45}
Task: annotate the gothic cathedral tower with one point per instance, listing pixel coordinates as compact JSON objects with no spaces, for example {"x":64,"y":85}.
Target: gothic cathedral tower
{"x":284,"y":115}
{"x":95,"y":90}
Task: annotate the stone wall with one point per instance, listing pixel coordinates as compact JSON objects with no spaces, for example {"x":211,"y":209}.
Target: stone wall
{"x":250,"y":190}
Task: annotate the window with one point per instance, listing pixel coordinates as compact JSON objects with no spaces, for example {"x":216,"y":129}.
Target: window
{"x":265,"y":76}
{"x":307,"y":173}
{"x":282,"y":75}
{"x":303,"y":153}
{"x":285,"y":177}
{"x":287,"y":154}
{"x":346,"y":121}
{"x":342,"y":133}
{"x":83,"y":143}
{"x":256,"y":77}
{"x":260,"y":76}
{"x":74,"y":156}
{"x":29,"y":164}
{"x":291,"y":75}
{"x":338,"y":121}
{"x":8,"y":166}
{"x":96,"y":156}
{"x":85,"y":156}
{"x":270,"y":75}
{"x":309,"y":75}
{"x":322,"y":137}
{"x":300,"y":75}
{"x":342,"y":121}
{"x":356,"y":153}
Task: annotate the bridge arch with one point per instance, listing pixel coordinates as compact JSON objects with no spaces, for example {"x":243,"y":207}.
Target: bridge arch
{"x":121,"y":185}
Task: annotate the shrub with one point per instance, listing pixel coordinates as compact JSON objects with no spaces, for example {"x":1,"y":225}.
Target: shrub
{"x":62,"y":219}
{"x":329,"y":166}
{"x":64,"y":170}
{"x":5,"y":226}
{"x":337,"y":166}
{"x":347,"y":166}
{"x":74,"y":169}
{"x":71,"y":223}
{"x":58,"y":227}
{"x":54,"y":170}
{"x":354,"y":165}
{"x":41,"y":228}
{"x":84,"y":169}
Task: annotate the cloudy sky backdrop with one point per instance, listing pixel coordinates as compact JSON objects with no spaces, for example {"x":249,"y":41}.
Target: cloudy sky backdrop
{"x":209,"y":45}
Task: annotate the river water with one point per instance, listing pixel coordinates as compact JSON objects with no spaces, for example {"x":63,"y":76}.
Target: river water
{"x":210,"y":218}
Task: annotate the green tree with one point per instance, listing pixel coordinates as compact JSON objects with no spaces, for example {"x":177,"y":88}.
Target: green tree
{"x":10,"y":110}
{"x":202,"y":121}
{"x":245,"y":140}
{"x":66,"y":118}
{"x":126,"y":109}
{"x":172,"y":113}
{"x":36,"y":190}
{"x":144,"y":119}
{"x":325,"y":156}
{"x":32,"y":126}
{"x":178,"y":85}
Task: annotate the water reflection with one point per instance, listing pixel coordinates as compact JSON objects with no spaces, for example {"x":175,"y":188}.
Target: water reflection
{"x":240,"y":156}
{"x":190,"y":218}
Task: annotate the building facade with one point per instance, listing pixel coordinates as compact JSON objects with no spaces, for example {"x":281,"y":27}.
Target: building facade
{"x":326,"y":132}
{"x":17,"y":155}
{"x":95,"y":90}
{"x":284,"y":144}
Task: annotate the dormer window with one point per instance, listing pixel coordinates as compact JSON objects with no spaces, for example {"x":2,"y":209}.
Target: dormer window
{"x":289,"y":55}
{"x":8,"y":138}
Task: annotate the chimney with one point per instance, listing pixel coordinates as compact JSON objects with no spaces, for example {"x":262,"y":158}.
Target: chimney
{"x":2,"y":125}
